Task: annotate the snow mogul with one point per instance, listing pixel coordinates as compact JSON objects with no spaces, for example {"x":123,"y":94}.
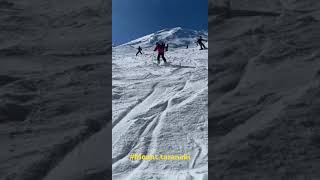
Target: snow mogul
{"x":161,"y":48}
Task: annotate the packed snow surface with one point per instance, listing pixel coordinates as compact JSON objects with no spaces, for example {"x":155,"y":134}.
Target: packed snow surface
{"x":159,"y":110}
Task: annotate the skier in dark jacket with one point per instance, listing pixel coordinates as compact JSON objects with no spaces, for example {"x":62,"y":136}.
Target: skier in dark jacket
{"x":199,"y":41}
{"x":160,"y":47}
{"x":139,"y":51}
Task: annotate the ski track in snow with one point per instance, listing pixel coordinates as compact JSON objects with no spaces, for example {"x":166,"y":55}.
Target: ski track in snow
{"x":156,"y":110}
{"x":124,"y":114}
{"x":155,"y":106}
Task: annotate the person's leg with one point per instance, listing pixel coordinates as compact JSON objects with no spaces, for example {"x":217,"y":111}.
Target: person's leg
{"x":164,"y":59}
{"x":158,"y":58}
{"x":201,"y":45}
{"x":140,"y":52}
{"x":137,"y":53}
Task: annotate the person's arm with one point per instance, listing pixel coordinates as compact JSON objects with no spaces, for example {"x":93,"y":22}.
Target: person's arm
{"x":155,"y":48}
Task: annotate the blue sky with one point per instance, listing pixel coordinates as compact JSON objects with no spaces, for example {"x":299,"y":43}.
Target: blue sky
{"x":132,"y":19}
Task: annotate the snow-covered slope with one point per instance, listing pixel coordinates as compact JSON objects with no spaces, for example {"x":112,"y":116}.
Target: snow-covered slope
{"x":175,"y":37}
{"x":51,"y":104}
{"x":71,"y":27}
{"x":264,"y":90}
{"x":156,"y":110}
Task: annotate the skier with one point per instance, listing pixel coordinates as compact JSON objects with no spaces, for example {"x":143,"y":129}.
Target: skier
{"x":139,"y":51}
{"x":199,"y":41}
{"x":160,"y":47}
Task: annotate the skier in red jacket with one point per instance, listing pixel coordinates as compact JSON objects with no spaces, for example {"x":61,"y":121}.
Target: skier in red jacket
{"x":160,"y":47}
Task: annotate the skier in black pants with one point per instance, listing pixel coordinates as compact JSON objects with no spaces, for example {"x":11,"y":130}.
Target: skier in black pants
{"x":161,"y":49}
{"x":199,"y":41}
{"x":139,"y":51}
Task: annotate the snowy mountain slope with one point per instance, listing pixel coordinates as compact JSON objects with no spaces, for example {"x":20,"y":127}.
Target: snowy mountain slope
{"x":49,"y":106}
{"x":264,"y":91}
{"x":54,"y":92}
{"x":55,"y":27}
{"x":175,"y":37}
{"x":156,"y":110}
{"x":158,"y":107}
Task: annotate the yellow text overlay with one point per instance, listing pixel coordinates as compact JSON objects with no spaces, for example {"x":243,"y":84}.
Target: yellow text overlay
{"x":138,"y":157}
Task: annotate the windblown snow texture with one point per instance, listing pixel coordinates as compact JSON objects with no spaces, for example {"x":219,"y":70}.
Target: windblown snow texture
{"x":264,"y":89}
{"x":160,"y":109}
{"x":175,"y":37}
{"x":55,"y":60}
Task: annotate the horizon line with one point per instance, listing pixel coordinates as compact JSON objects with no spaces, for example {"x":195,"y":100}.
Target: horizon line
{"x":113,"y":43}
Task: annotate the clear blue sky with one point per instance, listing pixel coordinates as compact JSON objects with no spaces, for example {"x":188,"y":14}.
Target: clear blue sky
{"x":132,"y":19}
